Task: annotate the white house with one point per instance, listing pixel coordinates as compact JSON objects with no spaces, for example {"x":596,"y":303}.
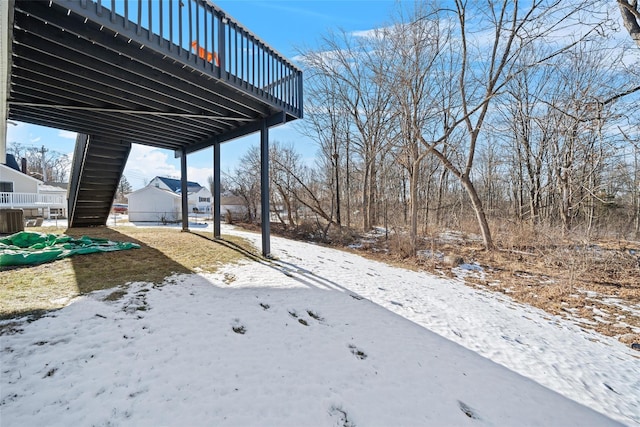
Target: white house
{"x":21,"y":191}
{"x":200,"y":201}
{"x":153,"y":204}
{"x":161,"y":200}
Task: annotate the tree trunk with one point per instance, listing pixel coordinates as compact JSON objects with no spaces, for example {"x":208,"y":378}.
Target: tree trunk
{"x":405,"y":213}
{"x":289,"y":207}
{"x":337,"y":178}
{"x":348,"y":179}
{"x":413,"y":197}
{"x":565,"y":206}
{"x":629,"y":12}
{"x":479,"y":211}
{"x":366,"y":225}
{"x":441,"y":184}
{"x":373,"y":215}
{"x":427,"y":198}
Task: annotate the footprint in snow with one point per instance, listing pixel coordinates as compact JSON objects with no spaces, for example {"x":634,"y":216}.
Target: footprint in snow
{"x":467,"y":410}
{"x":294,"y":314}
{"x":396,"y":303}
{"x":357,"y":352}
{"x":315,"y":315}
{"x":50,"y":372}
{"x":343,"y":417}
{"x":516,"y":340}
{"x":238,"y":328}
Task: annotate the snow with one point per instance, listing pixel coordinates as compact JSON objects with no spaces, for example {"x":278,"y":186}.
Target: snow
{"x":316,"y":337}
{"x":468,"y":270}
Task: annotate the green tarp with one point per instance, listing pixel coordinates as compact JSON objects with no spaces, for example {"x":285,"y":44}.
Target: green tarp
{"x":27,"y":247}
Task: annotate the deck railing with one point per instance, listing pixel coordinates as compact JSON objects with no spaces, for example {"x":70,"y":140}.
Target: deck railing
{"x":31,"y":200}
{"x":205,"y":37}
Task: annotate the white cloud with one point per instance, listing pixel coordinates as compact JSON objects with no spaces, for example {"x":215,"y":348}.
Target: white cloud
{"x":200,"y":175}
{"x":34,"y":140}
{"x":375,"y":33}
{"x":146,"y":162}
{"x":67,"y":134}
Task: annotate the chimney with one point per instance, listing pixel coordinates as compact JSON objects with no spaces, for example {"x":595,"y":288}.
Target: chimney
{"x":23,"y":165}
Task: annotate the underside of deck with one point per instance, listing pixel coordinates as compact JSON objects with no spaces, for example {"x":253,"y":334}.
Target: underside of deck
{"x":93,"y":73}
{"x":178,"y":75}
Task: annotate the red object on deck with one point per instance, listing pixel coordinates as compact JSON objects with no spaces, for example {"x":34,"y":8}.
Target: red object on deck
{"x":210,"y":57}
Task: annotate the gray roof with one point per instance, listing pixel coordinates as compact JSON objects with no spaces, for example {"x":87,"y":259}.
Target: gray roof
{"x":175,"y":185}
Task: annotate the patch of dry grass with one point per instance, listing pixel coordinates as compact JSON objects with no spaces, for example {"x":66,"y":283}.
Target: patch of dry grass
{"x":595,"y":284}
{"x":596,"y":287}
{"x":163,"y":251}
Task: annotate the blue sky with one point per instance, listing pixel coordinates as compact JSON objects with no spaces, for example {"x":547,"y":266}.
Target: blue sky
{"x":286,"y":25}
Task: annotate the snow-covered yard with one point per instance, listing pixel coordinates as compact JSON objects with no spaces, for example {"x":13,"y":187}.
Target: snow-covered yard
{"x":318,"y":337}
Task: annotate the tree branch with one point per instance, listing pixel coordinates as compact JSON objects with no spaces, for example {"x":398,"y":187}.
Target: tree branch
{"x":631,"y":18}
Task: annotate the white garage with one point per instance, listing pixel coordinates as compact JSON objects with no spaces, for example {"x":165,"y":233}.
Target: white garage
{"x":153,"y":204}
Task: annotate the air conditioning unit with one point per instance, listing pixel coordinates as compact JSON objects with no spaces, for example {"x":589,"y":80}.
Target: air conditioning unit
{"x":11,"y":221}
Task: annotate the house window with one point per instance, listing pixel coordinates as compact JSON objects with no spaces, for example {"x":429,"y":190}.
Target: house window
{"x":204,"y":199}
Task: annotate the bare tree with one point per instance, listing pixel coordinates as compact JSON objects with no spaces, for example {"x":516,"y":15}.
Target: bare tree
{"x":350,"y":65}
{"x":244,"y":182}
{"x":576,"y":119}
{"x":44,"y":164}
{"x":478,"y":107}
{"x":527,"y":133}
{"x":416,"y":41}
{"x":286,"y":167}
{"x":308,"y":190}
{"x":326,"y":123}
{"x":492,"y":38}
{"x":124,"y":188}
{"x":630,"y":167}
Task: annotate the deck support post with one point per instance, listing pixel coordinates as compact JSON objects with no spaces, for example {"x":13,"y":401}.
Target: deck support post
{"x":216,"y":191}
{"x":183,"y":190}
{"x":264,"y":189}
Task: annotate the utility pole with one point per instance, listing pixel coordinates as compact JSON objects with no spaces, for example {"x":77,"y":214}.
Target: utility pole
{"x":44,"y":164}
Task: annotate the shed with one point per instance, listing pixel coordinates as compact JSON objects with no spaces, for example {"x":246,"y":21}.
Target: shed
{"x":153,"y":204}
